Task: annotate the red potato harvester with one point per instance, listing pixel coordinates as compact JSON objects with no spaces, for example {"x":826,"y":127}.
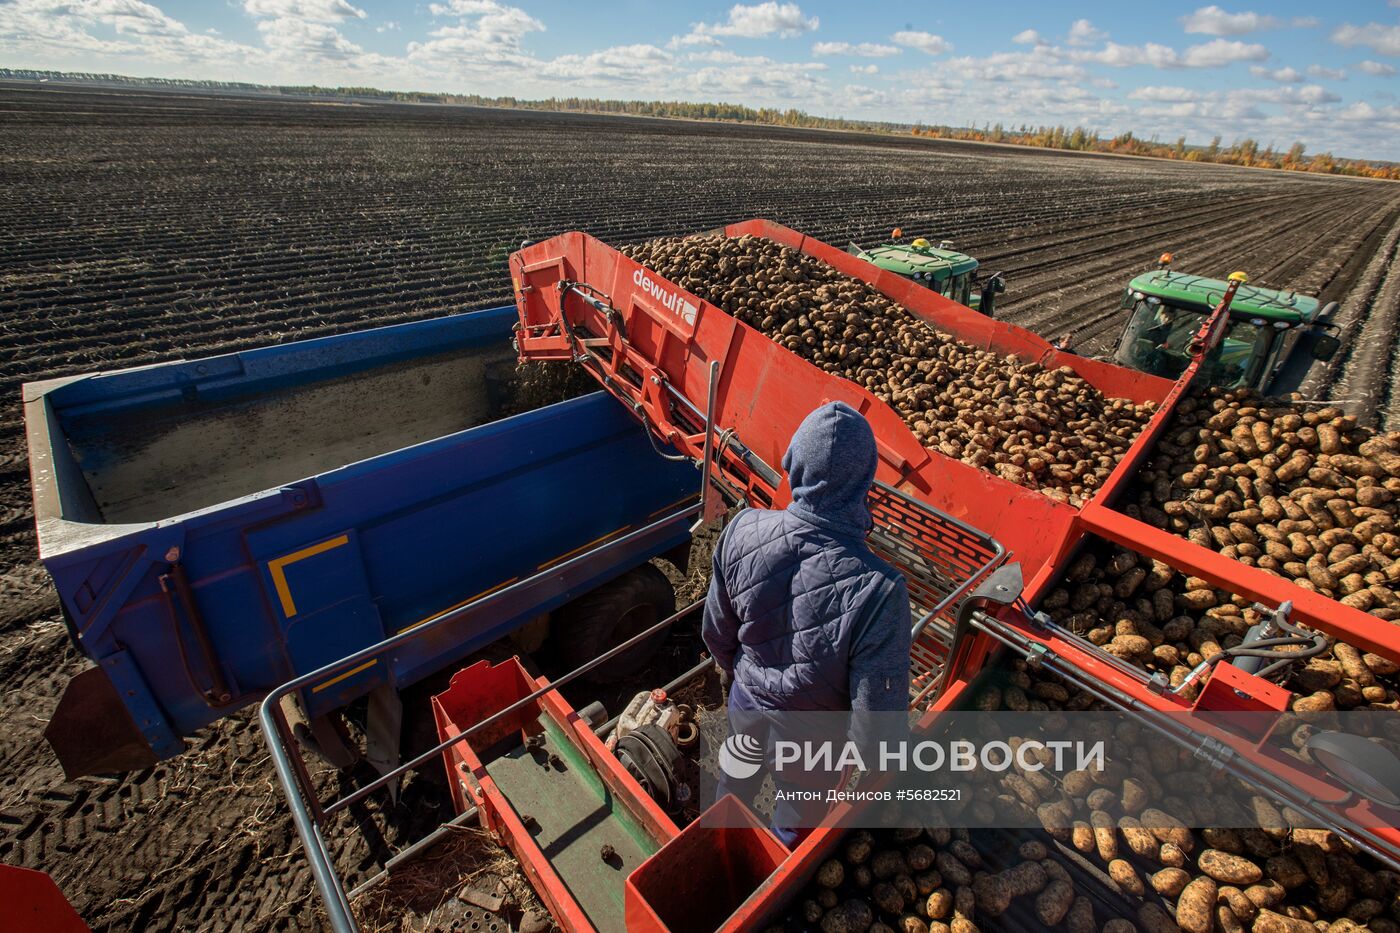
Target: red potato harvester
{"x":979,"y":553}
{"x":727,"y":397}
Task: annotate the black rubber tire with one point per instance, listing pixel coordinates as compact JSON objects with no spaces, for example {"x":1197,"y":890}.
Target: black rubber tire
{"x":608,"y":616}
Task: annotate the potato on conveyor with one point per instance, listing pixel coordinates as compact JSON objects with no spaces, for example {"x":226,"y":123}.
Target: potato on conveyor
{"x":1044,"y":429}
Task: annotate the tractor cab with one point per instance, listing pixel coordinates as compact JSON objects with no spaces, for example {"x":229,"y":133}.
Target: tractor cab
{"x":940,"y":268}
{"x":1261,"y":344}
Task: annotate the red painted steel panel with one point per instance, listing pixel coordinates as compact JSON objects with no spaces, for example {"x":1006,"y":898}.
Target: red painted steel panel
{"x":30,"y":902}
{"x":484,"y":689}
{"x":705,"y":879}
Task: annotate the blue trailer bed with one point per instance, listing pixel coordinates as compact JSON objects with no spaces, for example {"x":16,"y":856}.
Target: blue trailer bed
{"x":217,"y":527}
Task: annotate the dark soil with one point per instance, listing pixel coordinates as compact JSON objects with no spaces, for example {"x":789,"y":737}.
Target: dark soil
{"x":139,"y":227}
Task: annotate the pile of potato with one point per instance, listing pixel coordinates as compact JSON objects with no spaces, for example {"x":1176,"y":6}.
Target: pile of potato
{"x":1144,"y":612}
{"x":1045,"y":429}
{"x":1167,"y":877}
{"x":1301,"y":492}
{"x":934,"y":881}
{"x":1163,"y":875}
{"x":1270,"y":880}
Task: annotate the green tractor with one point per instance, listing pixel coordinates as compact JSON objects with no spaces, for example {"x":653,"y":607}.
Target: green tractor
{"x":1271,"y":341}
{"x":940,"y":268}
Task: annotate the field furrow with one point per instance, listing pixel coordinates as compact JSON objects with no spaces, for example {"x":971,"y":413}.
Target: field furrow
{"x":139,"y":227}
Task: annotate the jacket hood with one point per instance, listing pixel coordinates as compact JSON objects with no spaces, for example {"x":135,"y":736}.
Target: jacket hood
{"x":830,"y":465}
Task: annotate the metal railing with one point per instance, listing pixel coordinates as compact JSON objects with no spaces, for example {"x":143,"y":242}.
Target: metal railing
{"x":310,"y":814}
{"x":942,"y":560}
{"x":1173,"y":728}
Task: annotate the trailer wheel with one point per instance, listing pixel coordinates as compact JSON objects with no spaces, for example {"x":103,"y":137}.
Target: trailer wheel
{"x":611,"y":614}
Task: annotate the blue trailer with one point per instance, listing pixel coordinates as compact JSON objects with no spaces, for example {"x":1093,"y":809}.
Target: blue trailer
{"x":218,"y":527}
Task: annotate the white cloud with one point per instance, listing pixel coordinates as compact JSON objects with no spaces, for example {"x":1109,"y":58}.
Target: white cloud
{"x":1028,"y":37}
{"x":128,"y":17}
{"x":1366,"y":113}
{"x":463,"y":8}
{"x":860,"y":50}
{"x":1083,"y":32}
{"x":305,"y":38}
{"x":619,"y":63}
{"x":1163,"y":94}
{"x":1213,"y":54}
{"x":320,"y":11}
{"x":925,"y":42}
{"x":1327,"y":74}
{"x":856,"y":95}
{"x":58,"y":33}
{"x":1305,"y":22}
{"x":1287,"y":75}
{"x":865,"y":69}
{"x":1041,"y":63}
{"x":1220,"y":52}
{"x":693,"y":38}
{"x":1126,"y":56}
{"x":1380,"y":69}
{"x":754,"y":78}
{"x":487,"y":37}
{"x":785,"y":20}
{"x":1317,"y":94}
{"x":390,"y":26}
{"x":1213,"y":21}
{"x":1374,"y":36}
{"x":305,"y":30}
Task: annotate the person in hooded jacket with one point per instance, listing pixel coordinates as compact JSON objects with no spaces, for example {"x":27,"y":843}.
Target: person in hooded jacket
{"x":800,"y":614}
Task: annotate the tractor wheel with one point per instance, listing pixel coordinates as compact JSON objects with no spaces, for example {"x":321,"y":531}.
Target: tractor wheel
{"x":611,"y":614}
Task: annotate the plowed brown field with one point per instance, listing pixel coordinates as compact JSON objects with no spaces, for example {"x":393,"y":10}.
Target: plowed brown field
{"x":140,"y":227}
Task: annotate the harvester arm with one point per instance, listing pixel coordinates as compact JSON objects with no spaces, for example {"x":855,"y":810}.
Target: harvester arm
{"x":655,"y":346}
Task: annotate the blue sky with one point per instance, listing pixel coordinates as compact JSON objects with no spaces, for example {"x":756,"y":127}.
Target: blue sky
{"x":1325,"y":75}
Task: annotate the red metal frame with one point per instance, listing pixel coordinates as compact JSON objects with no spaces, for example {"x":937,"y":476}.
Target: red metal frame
{"x":483,"y":689}
{"x":703,"y":880}
{"x":765,"y":391}
{"x":33,"y":902}
{"x":649,"y":337}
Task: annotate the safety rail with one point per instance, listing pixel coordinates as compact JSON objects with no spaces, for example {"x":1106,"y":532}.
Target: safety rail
{"x":941,"y":559}
{"x":310,"y":814}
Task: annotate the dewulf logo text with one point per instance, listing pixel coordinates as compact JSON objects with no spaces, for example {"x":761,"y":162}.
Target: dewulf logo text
{"x":671,"y":301}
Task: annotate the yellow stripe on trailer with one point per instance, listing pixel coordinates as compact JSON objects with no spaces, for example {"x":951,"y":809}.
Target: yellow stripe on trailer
{"x":582,"y":547}
{"x":437,"y":615}
{"x":350,"y":673}
{"x":278,"y":567}
{"x":688,"y":497}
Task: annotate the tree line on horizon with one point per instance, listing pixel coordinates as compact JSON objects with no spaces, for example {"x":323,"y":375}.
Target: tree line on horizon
{"x":1246,"y":152}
